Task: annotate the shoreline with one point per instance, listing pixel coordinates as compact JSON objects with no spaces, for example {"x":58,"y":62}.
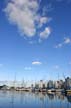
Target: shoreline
{"x":49,"y":91}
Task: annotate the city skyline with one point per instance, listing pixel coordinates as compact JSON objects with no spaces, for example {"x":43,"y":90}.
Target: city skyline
{"x":35,"y":39}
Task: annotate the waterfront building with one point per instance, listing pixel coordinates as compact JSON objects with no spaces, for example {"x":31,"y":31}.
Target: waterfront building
{"x":36,"y":86}
{"x":42,"y":84}
{"x":61,"y":84}
{"x":67,"y":83}
{"x":50,"y":84}
{"x":56,"y":84}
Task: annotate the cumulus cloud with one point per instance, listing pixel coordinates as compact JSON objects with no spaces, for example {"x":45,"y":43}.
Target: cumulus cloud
{"x":36,"y":63}
{"x":45,"y":34}
{"x":24,"y":14}
{"x":59,"y":45}
{"x":66,"y":41}
{"x":44,"y":20}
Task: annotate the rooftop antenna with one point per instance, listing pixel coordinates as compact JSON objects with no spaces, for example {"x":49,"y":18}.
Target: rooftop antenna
{"x":58,"y":76}
{"x":22,"y":85}
{"x":14,"y":81}
{"x":63,"y":75}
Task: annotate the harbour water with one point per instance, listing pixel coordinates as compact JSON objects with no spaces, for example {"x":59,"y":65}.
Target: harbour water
{"x":14,"y":99}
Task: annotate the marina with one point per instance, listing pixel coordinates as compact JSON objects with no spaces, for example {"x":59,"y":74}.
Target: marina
{"x":35,"y":53}
{"x":20,"y":99}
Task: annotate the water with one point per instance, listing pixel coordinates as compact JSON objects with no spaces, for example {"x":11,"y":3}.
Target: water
{"x":14,"y":99}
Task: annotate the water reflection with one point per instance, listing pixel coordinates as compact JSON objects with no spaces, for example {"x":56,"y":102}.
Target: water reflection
{"x":69,"y":98}
{"x":13,"y":99}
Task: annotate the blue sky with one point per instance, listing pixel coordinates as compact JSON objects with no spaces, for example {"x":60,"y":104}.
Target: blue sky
{"x":35,"y":39}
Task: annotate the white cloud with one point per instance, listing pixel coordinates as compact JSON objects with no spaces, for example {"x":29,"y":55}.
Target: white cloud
{"x":44,"y":20}
{"x":27,"y":68}
{"x":67,"y":40}
{"x":45,"y":34}
{"x":32,"y":42}
{"x":36,"y":63}
{"x":59,"y":45}
{"x":24,"y":14}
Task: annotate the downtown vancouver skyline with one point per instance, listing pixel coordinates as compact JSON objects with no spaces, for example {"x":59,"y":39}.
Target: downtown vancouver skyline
{"x":35,"y":39}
